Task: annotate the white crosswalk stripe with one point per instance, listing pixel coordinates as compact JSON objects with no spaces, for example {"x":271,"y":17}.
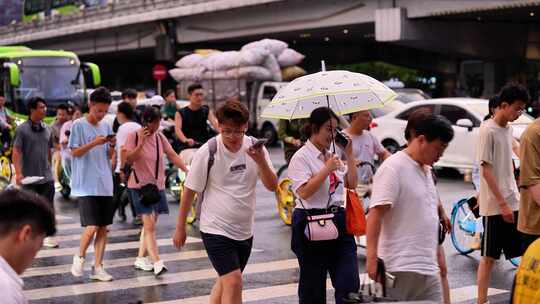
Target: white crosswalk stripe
{"x":110,"y":247}
{"x":168,"y":257}
{"x":62,"y":217}
{"x":287,"y":290}
{"x":134,"y":281}
{"x":111,"y":234}
{"x":147,"y":281}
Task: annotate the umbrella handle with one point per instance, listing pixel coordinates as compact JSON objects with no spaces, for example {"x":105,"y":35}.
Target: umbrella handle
{"x":332,"y":133}
{"x":323,"y":66}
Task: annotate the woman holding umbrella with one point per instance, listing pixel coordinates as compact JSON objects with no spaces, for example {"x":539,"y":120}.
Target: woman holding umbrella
{"x":319,"y":239}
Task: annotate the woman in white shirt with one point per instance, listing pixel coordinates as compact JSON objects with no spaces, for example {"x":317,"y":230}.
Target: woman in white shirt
{"x":318,"y":179}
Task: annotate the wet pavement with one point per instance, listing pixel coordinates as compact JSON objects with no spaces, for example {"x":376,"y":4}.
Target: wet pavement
{"x":271,"y":275}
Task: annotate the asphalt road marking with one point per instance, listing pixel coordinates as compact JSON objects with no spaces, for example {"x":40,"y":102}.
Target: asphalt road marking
{"x":457,"y":295}
{"x":467,"y":293}
{"x":44,"y":253}
{"x":68,"y":226}
{"x":112,"y":263}
{"x":147,"y":281}
{"x":62,"y":217}
{"x":66,"y":268}
{"x":114,"y":233}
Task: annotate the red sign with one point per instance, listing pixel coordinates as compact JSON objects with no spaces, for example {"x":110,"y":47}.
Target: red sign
{"x":159,"y":72}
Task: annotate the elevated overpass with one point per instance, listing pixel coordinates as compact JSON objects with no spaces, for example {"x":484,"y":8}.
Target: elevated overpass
{"x":439,"y":36}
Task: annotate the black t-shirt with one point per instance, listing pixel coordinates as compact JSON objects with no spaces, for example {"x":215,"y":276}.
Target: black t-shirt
{"x":194,"y":123}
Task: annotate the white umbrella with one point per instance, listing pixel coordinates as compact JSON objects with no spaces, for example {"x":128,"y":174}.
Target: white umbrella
{"x":343,"y":91}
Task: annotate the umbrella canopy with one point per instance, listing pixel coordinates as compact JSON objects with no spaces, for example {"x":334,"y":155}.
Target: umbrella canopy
{"x":343,"y":91}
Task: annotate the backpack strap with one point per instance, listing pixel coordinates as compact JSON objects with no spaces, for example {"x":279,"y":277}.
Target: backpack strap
{"x":212,"y":148}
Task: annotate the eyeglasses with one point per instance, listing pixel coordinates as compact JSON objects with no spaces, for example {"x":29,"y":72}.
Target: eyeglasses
{"x":229,"y":132}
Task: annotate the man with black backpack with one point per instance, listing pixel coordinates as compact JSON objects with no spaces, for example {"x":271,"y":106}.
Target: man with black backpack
{"x":224,"y":173}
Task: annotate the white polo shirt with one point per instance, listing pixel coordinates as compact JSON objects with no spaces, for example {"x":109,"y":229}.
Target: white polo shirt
{"x":306,"y":163}
{"x":11,"y":285}
{"x":409,"y":234}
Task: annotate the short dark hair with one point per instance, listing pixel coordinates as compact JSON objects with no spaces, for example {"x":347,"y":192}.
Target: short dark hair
{"x":233,"y":111}
{"x":101,"y":95}
{"x":193,"y":87}
{"x":513,"y":92}
{"x":150,"y":114}
{"x":20,"y":207}
{"x":423,"y":122}
{"x":493,"y":103}
{"x":169,"y":92}
{"x":129,"y":93}
{"x":62,"y":106}
{"x":317,"y":118}
{"x":73,"y":108}
{"x":126,"y":109}
{"x":34,"y":101}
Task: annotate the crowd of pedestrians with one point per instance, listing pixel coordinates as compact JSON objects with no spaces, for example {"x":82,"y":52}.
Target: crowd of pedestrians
{"x":113,"y":166}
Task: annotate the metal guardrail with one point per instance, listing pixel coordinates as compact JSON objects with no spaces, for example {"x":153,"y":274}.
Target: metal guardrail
{"x":115,"y":9}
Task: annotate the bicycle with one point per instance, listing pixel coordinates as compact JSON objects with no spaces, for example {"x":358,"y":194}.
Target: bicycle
{"x":6,"y":167}
{"x":285,"y":198}
{"x":65,"y":181}
{"x":175,"y":178}
{"x":463,"y":218}
{"x":174,"y":185}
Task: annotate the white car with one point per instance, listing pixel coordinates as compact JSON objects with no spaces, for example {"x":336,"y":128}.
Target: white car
{"x":465,"y":114}
{"x":388,"y":108}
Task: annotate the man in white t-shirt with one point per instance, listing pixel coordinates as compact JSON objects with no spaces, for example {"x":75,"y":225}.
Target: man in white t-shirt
{"x":228,"y":205}
{"x":25,"y":220}
{"x":403,"y":221}
{"x":499,"y":195}
{"x":365,"y":147}
{"x":125,"y":116}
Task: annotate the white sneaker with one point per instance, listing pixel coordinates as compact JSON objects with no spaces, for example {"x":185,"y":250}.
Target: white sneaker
{"x":77,"y":267}
{"x":49,"y":242}
{"x":99,"y":274}
{"x":159,"y":268}
{"x":143,"y":263}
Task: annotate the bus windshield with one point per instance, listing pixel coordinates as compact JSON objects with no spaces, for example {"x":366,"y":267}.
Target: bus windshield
{"x":56,"y":79}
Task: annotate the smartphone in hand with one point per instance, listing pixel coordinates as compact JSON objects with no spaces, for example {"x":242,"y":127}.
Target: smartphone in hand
{"x":259,"y":143}
{"x":341,"y":139}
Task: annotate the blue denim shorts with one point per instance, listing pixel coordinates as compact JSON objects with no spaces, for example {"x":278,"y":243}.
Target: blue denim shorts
{"x":160,"y":208}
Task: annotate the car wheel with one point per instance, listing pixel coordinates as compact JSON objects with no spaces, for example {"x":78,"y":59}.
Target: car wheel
{"x":391,"y":145}
{"x":269,"y":132}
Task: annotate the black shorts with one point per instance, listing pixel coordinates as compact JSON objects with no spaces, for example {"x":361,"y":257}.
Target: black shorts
{"x":96,"y":210}
{"x":526,"y":240}
{"x":500,"y":236}
{"x":226,"y":255}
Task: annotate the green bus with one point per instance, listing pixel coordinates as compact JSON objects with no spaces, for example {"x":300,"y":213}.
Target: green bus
{"x":57,"y":76}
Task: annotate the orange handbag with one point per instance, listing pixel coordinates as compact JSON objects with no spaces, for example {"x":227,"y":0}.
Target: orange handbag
{"x":355,"y":218}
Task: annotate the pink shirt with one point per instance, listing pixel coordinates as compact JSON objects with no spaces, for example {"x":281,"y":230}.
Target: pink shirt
{"x":145,"y":165}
